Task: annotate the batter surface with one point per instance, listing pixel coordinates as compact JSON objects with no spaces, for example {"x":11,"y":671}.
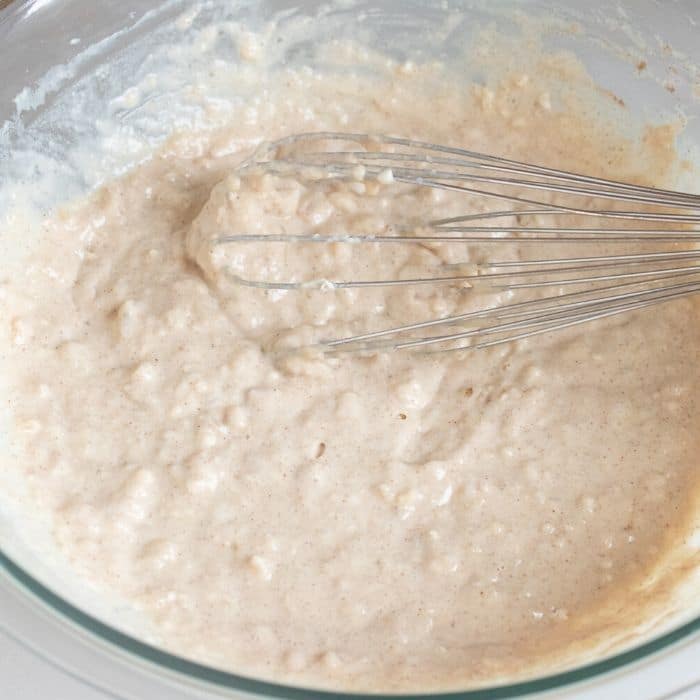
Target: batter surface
{"x":379,"y":523}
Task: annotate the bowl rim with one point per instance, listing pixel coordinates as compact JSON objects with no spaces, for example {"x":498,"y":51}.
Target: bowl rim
{"x":158,"y":659}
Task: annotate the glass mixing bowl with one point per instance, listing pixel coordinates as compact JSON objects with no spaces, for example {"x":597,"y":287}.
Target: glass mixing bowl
{"x":56,"y":90}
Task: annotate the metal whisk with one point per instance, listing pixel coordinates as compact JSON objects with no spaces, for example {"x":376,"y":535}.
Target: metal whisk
{"x":602,"y":211}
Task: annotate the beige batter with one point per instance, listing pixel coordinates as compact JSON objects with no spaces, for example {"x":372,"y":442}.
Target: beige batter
{"x":383,"y":523}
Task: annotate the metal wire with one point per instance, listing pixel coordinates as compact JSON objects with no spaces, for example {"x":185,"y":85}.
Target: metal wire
{"x":642,"y":279}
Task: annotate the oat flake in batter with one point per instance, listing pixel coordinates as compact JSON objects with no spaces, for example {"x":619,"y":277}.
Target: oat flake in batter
{"x":395,"y":522}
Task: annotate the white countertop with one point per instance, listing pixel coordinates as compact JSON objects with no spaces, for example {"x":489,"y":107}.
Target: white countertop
{"x":25,"y":677}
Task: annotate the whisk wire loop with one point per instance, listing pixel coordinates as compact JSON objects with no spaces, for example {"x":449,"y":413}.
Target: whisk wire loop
{"x":648,"y":215}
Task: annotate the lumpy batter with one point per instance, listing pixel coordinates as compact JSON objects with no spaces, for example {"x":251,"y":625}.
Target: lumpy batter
{"x":390,"y":522}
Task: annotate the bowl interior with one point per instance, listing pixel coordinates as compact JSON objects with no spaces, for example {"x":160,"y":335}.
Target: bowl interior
{"x":67,"y":61}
